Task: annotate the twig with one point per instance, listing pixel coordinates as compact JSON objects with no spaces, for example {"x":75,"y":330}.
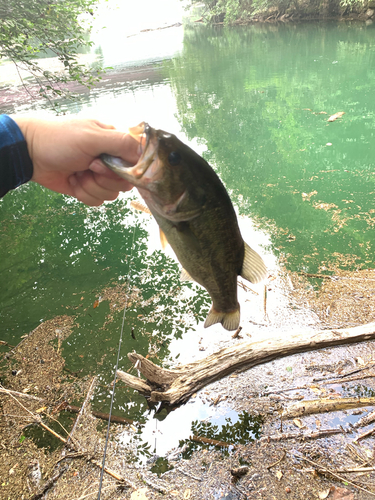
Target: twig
{"x":246,"y":288}
{"x":353,"y":450}
{"x":99,"y":414}
{"x":237,"y":333}
{"x":349,"y":379}
{"x":345,"y":374}
{"x":77,"y":454}
{"x":324,"y":469}
{"x":19,"y":394}
{"x":114,"y":474}
{"x":295,"y":435}
{"x":366,"y":420}
{"x":88,"y":395}
{"x":42,"y":424}
{"x":358,"y":469}
{"x":179,"y":469}
{"x":277,"y":461}
{"x":333,"y":276}
{"x":47,"y":485}
{"x":154,"y":485}
{"x":265,"y":301}
{"x":324,"y":380}
{"x":365,"y":434}
{"x":214,"y":442}
{"x":311,"y":407}
{"x":3,"y":342}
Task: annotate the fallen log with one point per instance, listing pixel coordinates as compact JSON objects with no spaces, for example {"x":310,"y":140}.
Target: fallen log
{"x":177,"y":386}
{"x":323,"y":405}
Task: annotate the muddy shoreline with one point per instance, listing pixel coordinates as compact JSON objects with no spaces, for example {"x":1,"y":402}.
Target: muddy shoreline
{"x":312,"y":456}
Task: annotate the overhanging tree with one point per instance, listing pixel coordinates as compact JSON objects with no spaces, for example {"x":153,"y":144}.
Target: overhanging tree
{"x":32,"y":28}
{"x":242,"y":11}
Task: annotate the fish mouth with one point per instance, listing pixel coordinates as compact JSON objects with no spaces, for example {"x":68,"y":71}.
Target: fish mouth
{"x":148,"y":144}
{"x":145,"y":136}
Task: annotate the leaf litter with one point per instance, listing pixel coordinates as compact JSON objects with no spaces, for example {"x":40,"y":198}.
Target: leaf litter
{"x":308,"y":457}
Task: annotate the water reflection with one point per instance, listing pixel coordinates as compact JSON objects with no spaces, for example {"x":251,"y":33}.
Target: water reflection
{"x":60,"y":259}
{"x":260,"y":98}
{"x":179,"y":432}
{"x":251,"y":101}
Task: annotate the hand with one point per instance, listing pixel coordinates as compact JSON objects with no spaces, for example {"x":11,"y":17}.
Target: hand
{"x":65,"y":156}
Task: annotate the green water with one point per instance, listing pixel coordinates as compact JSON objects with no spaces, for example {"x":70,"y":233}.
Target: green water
{"x":252,"y":95}
{"x":251,"y":100}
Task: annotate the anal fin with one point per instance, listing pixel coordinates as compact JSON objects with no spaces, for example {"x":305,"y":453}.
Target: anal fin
{"x":253,"y":267}
{"x":185,"y":276}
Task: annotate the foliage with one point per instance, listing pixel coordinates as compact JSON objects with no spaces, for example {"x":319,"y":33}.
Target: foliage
{"x":234,"y":11}
{"x":30,"y":29}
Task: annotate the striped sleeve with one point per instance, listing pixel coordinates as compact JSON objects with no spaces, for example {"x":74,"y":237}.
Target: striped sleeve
{"x":16,"y":166}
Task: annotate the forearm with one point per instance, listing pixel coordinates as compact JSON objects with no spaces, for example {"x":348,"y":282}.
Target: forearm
{"x":16,"y":166}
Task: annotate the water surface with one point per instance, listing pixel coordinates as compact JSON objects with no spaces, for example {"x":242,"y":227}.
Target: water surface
{"x":255,"y":101}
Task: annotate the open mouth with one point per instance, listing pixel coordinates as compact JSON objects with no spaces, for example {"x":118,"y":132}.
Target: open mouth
{"x":143,"y":134}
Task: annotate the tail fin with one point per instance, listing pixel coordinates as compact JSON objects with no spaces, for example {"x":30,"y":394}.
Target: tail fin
{"x":229,"y":320}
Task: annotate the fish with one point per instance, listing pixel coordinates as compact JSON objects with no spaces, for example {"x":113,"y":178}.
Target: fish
{"x":195,"y":216}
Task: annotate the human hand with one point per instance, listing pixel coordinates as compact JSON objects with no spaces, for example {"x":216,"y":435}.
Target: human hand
{"x":65,"y":156}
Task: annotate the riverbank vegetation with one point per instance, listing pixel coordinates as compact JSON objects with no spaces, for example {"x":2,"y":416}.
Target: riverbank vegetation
{"x":39,"y":29}
{"x":244,"y":11}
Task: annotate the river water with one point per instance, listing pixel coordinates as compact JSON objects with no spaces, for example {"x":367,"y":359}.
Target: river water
{"x":255,"y":102}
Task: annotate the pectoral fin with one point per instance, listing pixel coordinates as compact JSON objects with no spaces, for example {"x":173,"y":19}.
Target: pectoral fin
{"x":137,"y":205}
{"x":185,"y":276}
{"x":163,"y":239}
{"x":253,"y":267}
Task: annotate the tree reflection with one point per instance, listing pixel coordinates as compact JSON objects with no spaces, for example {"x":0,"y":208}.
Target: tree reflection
{"x":59,"y":256}
{"x":259,"y":97}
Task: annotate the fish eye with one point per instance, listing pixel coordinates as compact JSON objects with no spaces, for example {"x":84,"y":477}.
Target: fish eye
{"x":174,"y":158}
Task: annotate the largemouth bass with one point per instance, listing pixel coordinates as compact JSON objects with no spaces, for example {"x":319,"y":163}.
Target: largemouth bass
{"x":195,"y":215}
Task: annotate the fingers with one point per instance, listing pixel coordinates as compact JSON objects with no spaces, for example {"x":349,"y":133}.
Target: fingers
{"x":93,"y":189}
{"x":103,"y":125}
{"x":117,"y":143}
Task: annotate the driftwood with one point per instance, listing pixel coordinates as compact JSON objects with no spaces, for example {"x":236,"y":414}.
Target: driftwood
{"x":177,"y":386}
{"x":300,"y":436}
{"x":365,"y":434}
{"x":366,"y":420}
{"x":303,"y":408}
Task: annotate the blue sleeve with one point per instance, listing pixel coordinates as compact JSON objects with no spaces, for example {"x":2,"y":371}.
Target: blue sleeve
{"x":16,"y":166}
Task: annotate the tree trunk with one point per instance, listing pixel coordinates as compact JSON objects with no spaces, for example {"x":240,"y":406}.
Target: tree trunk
{"x":177,"y":386}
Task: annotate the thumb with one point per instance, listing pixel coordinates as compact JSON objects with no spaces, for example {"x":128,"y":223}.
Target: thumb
{"x":117,"y":143}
